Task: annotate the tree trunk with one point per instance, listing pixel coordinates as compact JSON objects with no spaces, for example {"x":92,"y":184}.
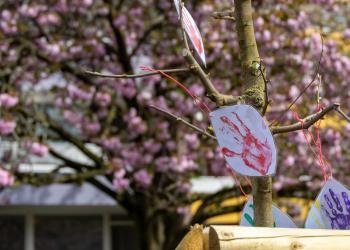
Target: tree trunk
{"x":151,"y":234}
{"x":161,"y":232}
{"x":254,"y":94}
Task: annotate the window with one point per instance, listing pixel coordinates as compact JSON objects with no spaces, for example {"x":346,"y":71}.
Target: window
{"x":68,"y":232}
{"x":123,"y":233}
{"x":124,"y":237}
{"x":12,"y":232}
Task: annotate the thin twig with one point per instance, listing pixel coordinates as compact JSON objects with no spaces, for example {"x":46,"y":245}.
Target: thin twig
{"x":306,"y":122}
{"x":341,"y":112}
{"x":179,"y":119}
{"x":275,"y":122}
{"x":94,"y":73}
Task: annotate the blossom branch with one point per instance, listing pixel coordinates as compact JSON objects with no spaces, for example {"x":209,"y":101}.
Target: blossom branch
{"x":48,"y":178}
{"x":306,"y":122}
{"x":156,"y":25}
{"x":54,"y":126}
{"x":76,"y":142}
{"x":179,"y":119}
{"x":94,"y":73}
{"x":79,"y":167}
{"x":123,"y":56}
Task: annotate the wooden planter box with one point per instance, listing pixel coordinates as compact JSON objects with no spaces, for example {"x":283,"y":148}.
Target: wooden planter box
{"x":260,"y":238}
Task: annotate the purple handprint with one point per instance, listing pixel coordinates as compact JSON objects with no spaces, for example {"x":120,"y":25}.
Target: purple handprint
{"x":338,"y":216}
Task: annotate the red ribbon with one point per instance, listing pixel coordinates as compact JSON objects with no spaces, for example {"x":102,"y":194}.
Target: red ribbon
{"x":197,"y":101}
{"x":319,"y":154}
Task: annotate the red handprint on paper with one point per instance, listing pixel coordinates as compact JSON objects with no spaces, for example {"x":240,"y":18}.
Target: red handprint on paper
{"x":193,"y":32}
{"x":255,"y":154}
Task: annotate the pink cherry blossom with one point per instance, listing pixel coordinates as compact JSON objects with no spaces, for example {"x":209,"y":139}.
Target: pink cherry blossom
{"x":103,"y":99}
{"x":72,"y":117}
{"x":6,"y":178}
{"x":7,"y":100}
{"x":120,"y":183}
{"x":143,"y":178}
{"x":7,"y":127}
{"x":37,"y":149}
{"x":75,"y":92}
{"x":91,"y":127}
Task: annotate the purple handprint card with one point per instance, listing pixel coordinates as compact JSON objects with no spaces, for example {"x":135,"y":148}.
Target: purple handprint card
{"x":331,"y":209}
{"x":335,"y":205}
{"x":281,"y":219}
{"x":245,"y":140}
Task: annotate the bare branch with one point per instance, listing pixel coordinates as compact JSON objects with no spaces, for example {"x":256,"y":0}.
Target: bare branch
{"x":341,"y":112}
{"x":212,"y":93}
{"x":79,"y":176}
{"x":226,"y":15}
{"x":93,"y":73}
{"x":39,"y":179}
{"x":68,"y":162}
{"x":104,"y":188}
{"x":307,"y":121}
{"x":179,"y":119}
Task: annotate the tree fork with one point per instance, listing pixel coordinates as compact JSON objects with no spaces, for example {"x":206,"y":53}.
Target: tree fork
{"x":254,"y":94}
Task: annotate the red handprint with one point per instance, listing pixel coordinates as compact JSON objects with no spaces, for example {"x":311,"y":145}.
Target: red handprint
{"x":193,"y":32}
{"x":255,"y":155}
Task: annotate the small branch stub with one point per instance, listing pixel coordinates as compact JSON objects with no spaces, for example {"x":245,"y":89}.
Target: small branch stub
{"x":225,"y":15}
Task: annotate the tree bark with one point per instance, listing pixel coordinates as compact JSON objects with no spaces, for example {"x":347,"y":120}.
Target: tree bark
{"x":254,"y":94}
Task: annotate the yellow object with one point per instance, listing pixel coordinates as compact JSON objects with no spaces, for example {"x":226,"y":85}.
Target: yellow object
{"x":234,"y":218}
{"x":193,"y":240}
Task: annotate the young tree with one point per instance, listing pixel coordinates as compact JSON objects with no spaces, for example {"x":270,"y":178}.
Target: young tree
{"x":149,"y":159}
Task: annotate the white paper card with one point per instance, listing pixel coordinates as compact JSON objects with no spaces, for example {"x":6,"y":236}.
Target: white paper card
{"x":281,"y":219}
{"x":335,"y":205}
{"x":331,"y":209}
{"x":245,"y":140}
{"x":192,"y":31}
{"x":314,"y":219}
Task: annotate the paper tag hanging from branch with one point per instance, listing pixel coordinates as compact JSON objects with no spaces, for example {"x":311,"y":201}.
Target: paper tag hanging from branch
{"x":192,"y":31}
{"x":280,"y":219}
{"x":245,"y":140}
{"x":331,"y":208}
